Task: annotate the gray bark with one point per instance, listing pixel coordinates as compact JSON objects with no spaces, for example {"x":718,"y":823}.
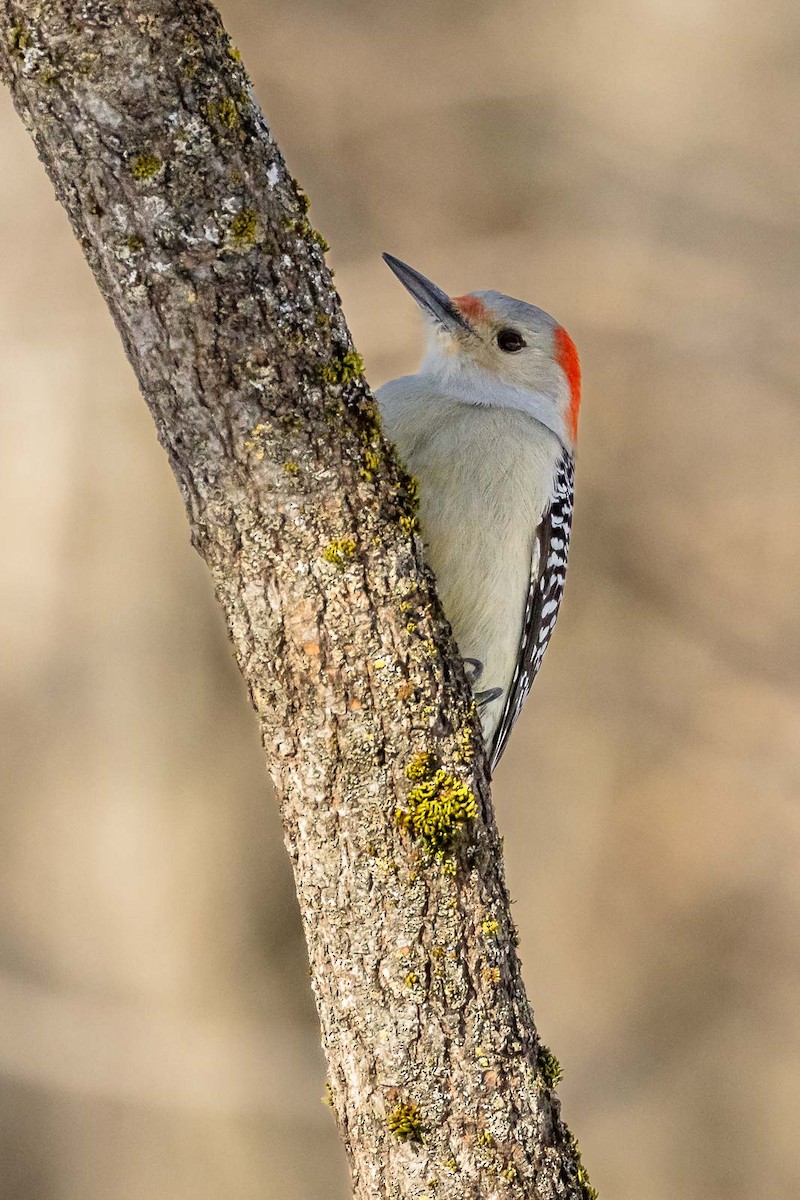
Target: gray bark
{"x":200,"y":242}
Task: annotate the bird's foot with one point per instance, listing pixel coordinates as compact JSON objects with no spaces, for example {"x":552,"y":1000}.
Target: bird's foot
{"x":474,"y":670}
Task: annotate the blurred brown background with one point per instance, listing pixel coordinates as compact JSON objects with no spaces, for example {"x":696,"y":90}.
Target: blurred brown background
{"x":629,"y":165}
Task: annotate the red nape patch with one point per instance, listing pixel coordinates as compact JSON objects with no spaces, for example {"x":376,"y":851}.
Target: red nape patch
{"x":567,"y":359}
{"x":472,"y":308}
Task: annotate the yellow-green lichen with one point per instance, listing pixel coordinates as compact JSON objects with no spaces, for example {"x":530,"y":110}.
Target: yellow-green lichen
{"x":145,"y":166}
{"x":422,"y":766}
{"x":411,"y":979}
{"x":303,"y":227}
{"x":405,"y":1122}
{"x":340,"y":371}
{"x":437,"y":809}
{"x":372,"y":460}
{"x":245,"y":229}
{"x":225,"y":112}
{"x":235,"y":53}
{"x":135,"y":244}
{"x":465,"y":745}
{"x":549,"y":1067}
{"x":485,"y":1139}
{"x":255,"y":442}
{"x":339,"y":552}
{"x":18,"y":41}
{"x":291,"y":467}
{"x":409,"y":524}
{"x":490,"y":928}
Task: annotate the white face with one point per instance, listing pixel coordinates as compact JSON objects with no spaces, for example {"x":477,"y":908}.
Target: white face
{"x":487,"y":348}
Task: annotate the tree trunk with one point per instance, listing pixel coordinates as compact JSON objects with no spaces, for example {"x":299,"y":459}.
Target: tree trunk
{"x":200,"y":242}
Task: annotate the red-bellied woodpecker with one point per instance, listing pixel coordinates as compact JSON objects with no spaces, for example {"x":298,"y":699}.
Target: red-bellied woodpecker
{"x":488,"y":426}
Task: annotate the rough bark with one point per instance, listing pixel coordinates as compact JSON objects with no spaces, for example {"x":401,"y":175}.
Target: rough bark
{"x":200,"y":242}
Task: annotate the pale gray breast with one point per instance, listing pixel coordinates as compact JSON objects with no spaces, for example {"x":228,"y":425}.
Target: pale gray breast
{"x":485,"y":477}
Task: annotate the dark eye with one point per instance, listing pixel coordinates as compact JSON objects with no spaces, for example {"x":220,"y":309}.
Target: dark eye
{"x":510,"y":340}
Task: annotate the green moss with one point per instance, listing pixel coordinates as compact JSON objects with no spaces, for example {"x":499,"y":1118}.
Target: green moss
{"x":245,"y":229}
{"x":371,"y":422}
{"x":338,"y":372}
{"x":370,"y":435}
{"x":409,"y":492}
{"x":438,"y":808}
{"x":405,"y":1122}
{"x":549,"y":1067}
{"x":145,"y":166}
{"x":339,"y":552}
{"x":588,"y":1192}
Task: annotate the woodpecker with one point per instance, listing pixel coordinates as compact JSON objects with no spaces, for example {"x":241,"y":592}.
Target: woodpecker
{"x":488,"y":425}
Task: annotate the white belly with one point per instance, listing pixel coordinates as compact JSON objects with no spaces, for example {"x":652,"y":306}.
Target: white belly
{"x":485,"y":477}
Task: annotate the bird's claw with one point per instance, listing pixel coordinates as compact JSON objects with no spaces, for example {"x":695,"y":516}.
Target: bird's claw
{"x":484,"y":698}
{"x":474,"y":670}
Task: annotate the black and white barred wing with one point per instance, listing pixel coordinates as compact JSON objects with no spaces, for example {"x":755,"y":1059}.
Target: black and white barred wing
{"x":548,"y":571}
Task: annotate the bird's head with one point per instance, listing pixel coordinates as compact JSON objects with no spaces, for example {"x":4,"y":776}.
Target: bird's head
{"x":487,"y":348}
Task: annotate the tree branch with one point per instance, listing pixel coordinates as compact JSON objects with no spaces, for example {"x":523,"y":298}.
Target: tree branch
{"x":200,"y":242}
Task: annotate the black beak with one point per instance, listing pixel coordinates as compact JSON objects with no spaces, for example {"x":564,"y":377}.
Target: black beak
{"x":429,"y":297}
